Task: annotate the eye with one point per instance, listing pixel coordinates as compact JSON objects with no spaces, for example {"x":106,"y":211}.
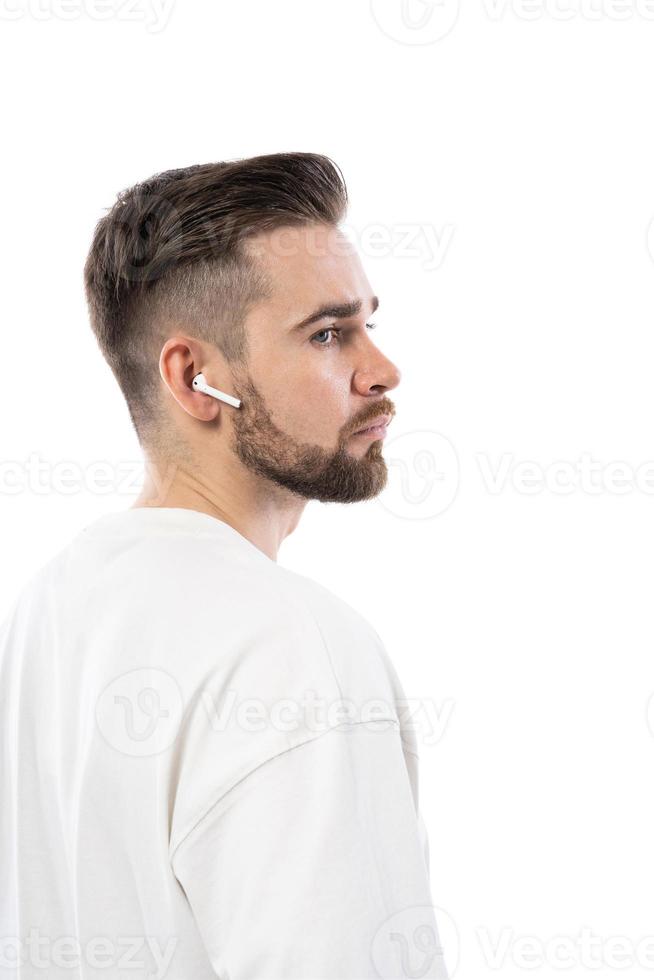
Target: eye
{"x":324,"y":331}
{"x":337,"y":332}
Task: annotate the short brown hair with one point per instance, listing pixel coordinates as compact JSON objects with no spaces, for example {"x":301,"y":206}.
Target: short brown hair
{"x":170,"y":250}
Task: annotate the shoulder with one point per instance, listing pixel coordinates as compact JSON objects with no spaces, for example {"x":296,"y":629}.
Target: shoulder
{"x":327,"y":606}
{"x":307,"y":664}
{"x":361,"y":663}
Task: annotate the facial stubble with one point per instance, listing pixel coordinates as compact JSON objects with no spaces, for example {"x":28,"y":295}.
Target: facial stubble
{"x":309,"y":471}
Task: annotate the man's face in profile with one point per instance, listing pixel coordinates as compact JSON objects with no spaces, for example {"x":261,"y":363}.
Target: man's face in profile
{"x":308,"y":389}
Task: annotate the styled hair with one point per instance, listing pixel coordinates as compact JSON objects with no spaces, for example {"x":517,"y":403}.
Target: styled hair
{"x":170,"y":252}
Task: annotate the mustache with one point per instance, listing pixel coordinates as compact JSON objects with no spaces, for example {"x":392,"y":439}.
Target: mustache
{"x":383,"y":407}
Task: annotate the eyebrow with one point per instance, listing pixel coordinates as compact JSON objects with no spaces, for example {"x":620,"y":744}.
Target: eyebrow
{"x":336,"y":311}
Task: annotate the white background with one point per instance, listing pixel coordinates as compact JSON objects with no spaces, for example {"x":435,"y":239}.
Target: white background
{"x":500,"y":164}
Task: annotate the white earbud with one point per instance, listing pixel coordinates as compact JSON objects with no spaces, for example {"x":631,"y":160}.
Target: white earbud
{"x":200,"y":384}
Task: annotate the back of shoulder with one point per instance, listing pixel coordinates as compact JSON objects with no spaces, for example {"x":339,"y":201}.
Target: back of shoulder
{"x":360,"y":661}
{"x":203,"y":610}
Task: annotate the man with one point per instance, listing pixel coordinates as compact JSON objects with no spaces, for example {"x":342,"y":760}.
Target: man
{"x":207,"y":769}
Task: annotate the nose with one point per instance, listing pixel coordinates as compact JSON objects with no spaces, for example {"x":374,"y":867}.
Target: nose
{"x":379,"y":374}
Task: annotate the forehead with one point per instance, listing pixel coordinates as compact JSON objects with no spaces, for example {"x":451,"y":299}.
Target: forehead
{"x":307,"y":265}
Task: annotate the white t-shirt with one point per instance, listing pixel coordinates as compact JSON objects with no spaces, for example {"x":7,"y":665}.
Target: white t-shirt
{"x":205,"y":769}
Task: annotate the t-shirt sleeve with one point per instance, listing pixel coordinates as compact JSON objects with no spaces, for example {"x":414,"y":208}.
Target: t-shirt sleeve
{"x":312,"y":866}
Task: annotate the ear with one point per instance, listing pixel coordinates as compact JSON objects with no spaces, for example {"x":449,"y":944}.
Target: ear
{"x":180,"y":362}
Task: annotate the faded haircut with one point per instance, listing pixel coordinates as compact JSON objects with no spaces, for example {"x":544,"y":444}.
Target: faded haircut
{"x":170,"y":254}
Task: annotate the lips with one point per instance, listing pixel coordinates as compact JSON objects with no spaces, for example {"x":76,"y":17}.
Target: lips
{"x":380,"y":420}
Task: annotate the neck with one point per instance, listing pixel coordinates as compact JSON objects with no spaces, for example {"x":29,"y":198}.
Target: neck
{"x":262,"y":512}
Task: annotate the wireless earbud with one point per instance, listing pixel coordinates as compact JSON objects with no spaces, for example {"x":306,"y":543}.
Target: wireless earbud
{"x":200,"y":384}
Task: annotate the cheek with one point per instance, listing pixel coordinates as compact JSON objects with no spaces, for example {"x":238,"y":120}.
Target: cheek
{"x":315,"y":410}
{"x":309,"y":397}
{"x":332,"y":388}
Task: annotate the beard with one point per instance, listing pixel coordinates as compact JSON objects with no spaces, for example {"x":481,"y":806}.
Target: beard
{"x":309,"y":471}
